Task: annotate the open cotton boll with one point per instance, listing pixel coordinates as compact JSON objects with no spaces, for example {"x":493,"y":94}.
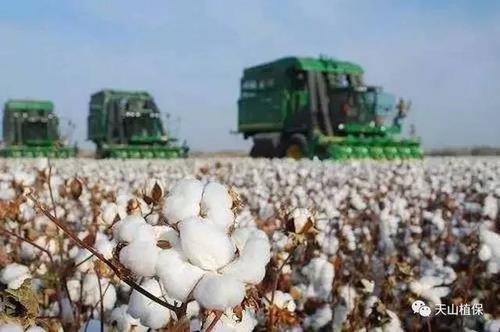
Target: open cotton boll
{"x":104,"y":246}
{"x":283,"y":300}
{"x":177,"y":275}
{"x":14,"y":274}
{"x":204,"y":244}
{"x":230,"y":322}
{"x":320,"y":274}
{"x":167,"y":233}
{"x":133,"y":228}
{"x":216,"y":204}
{"x":122,"y":321}
{"x":183,"y":201}
{"x":490,"y":207}
{"x":301,"y":218}
{"x":219,"y":292}
{"x":149,"y":313}
{"x":7,"y":194}
{"x":490,"y":249}
{"x":250,"y":266}
{"x":91,"y":294}
{"x":74,"y":286}
{"x":11,"y":327}
{"x":140,"y":257}
{"x":322,"y":316}
{"x":428,"y":288}
{"x":109,"y":213}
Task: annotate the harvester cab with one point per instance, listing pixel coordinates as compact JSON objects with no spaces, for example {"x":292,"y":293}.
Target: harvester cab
{"x":128,"y":125}
{"x":300,"y":107}
{"x":31,"y":129}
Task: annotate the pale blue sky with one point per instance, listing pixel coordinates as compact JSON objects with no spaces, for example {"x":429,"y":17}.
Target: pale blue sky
{"x":444,"y":55}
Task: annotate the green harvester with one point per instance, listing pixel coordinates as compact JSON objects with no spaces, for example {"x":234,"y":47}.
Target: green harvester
{"x":127,"y":124}
{"x":320,"y":107}
{"x":31,"y":129}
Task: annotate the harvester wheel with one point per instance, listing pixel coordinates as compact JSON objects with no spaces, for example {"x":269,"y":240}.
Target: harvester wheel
{"x":263,"y":148}
{"x":296,"y":147}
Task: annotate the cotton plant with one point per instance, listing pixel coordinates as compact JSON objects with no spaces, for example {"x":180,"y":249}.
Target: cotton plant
{"x":200,"y":255}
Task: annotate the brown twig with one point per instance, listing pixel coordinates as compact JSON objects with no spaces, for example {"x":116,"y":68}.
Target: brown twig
{"x":218,"y":315}
{"x":101,"y":300}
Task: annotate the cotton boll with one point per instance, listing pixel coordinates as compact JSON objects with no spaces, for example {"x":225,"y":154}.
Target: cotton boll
{"x":177,"y":275}
{"x":490,"y":249}
{"x":428,"y":288}
{"x":320,"y":274}
{"x":13,"y":275}
{"x":219,"y":292}
{"x":91,"y":295}
{"x":27,"y":212}
{"x":104,"y":246}
{"x":73,"y":286}
{"x":250,"y":266}
{"x":283,"y":300}
{"x":216,"y":204}
{"x":140,"y":257}
{"x":302,"y":219}
{"x":84,"y":260}
{"x":149,"y":313}
{"x":319,"y":319}
{"x":204,"y":244}
{"x":183,"y":201}
{"x":109,"y":213}
{"x":134,"y":227}
{"x":7,"y":194}
{"x":230,"y":322}
{"x":122,"y":321}
{"x":167,"y":233}
{"x":153,"y":191}
{"x":28,"y":251}
{"x":11,"y":327}
{"x":490,"y":207}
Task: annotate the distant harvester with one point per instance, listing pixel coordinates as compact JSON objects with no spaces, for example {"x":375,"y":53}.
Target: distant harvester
{"x":127,"y":124}
{"x":31,"y":129}
{"x":306,"y":107}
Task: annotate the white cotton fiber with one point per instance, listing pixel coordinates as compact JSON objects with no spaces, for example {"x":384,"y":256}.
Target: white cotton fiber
{"x":250,"y":266}
{"x":204,"y":244}
{"x":183,"y":201}
{"x":13,"y":275}
{"x":219,"y":292}
{"x":11,"y":327}
{"x":320,"y":274}
{"x":140,"y":257}
{"x":133,"y":228}
{"x":177,"y":275}
{"x":122,"y":320}
{"x":150,"y":313}
{"x":216,"y":203}
{"x":91,"y":295}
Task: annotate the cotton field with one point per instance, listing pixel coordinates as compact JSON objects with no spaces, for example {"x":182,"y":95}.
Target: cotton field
{"x":242,"y":244}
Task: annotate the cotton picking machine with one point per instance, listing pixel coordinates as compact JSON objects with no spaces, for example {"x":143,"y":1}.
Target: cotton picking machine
{"x":31,"y":129}
{"x":127,"y":124}
{"x":306,"y":107}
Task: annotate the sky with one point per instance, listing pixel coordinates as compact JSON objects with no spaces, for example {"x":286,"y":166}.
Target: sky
{"x":443,"y":55}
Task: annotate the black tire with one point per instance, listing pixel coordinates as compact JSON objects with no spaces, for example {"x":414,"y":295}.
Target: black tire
{"x":263,"y":148}
{"x":294,"y":147}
